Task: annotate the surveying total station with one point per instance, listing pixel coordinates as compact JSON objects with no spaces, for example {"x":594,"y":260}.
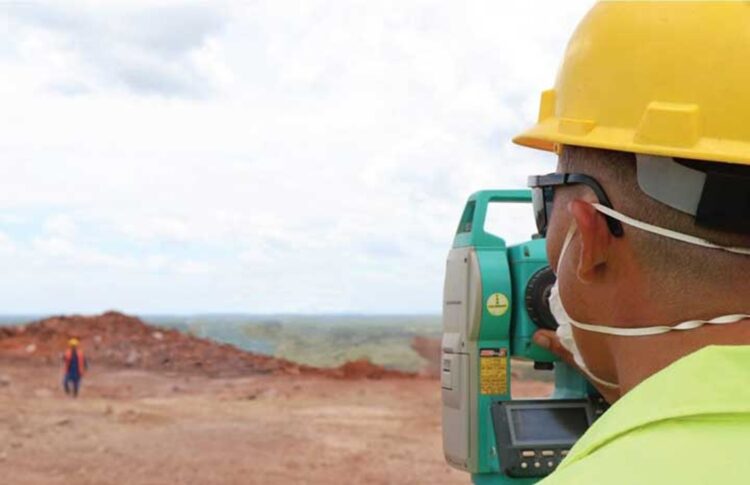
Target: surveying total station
{"x":495,"y":298}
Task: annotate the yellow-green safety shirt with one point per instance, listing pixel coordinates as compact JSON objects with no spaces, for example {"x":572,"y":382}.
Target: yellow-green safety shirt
{"x":687,"y":424}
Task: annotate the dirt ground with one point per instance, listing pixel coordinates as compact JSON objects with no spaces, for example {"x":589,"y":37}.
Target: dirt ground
{"x":144,"y":427}
{"x":161,"y":407}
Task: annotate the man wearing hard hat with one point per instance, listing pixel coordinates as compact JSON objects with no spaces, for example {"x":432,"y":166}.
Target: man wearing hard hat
{"x":75,"y":365}
{"x":647,"y":220}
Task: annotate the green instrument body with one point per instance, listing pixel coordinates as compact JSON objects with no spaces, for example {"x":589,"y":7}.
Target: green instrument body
{"x":479,"y":342}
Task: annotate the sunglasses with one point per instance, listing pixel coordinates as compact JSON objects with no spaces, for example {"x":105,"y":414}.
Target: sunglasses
{"x":543,"y":195}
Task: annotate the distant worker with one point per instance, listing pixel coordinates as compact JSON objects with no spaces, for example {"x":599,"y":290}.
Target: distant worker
{"x":75,"y":366}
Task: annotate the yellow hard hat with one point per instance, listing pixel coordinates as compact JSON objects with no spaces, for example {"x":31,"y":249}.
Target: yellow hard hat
{"x":667,"y":78}
{"x":73,"y":342}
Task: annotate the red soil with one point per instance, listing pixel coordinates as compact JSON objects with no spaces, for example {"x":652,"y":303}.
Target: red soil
{"x":116,"y":340}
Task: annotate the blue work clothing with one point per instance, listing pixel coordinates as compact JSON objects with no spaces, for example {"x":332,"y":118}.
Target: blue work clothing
{"x":75,"y":365}
{"x":72,"y":384}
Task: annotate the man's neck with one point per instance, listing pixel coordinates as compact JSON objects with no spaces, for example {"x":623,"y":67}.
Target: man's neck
{"x":638,"y":358}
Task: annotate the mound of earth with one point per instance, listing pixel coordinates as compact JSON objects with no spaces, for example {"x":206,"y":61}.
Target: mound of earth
{"x":429,"y":350}
{"x":117,"y":340}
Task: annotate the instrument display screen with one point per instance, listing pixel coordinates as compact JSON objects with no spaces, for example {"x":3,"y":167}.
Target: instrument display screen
{"x":541,"y":425}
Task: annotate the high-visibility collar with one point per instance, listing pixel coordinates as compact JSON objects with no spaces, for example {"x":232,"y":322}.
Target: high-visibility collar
{"x":713,"y":380}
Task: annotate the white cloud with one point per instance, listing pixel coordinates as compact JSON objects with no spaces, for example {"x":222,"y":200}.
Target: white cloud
{"x":60,"y":225}
{"x":145,"y":49}
{"x":6,"y":245}
{"x":316,"y":157}
{"x":58,"y":251}
{"x":194,"y":268}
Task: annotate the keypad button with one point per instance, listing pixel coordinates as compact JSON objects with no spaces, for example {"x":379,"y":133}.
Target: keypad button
{"x":528,"y":453}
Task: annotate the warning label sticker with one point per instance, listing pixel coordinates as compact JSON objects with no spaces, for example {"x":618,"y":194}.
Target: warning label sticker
{"x":493,"y":371}
{"x":497,"y":304}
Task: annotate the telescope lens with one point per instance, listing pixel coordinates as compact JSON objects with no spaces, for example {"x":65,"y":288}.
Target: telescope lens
{"x":537,"y":298}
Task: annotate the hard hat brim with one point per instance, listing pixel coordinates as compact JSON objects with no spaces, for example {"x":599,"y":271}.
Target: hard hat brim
{"x":547,"y":135}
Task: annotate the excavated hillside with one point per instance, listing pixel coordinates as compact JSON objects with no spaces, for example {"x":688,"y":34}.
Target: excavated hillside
{"x":117,"y":340}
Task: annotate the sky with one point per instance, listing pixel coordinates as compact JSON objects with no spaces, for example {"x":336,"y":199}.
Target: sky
{"x":271,"y":156}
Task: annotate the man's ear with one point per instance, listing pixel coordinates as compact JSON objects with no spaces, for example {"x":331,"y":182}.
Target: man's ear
{"x":595,"y":239}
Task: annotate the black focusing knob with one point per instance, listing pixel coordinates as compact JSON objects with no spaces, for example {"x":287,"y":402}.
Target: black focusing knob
{"x":537,"y":298}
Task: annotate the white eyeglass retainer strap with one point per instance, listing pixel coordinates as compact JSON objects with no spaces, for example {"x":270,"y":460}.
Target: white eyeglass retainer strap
{"x":678,"y":236}
{"x":687,"y":325}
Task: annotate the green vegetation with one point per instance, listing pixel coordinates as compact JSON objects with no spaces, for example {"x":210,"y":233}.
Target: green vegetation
{"x":319,"y":340}
{"x":332,"y":341}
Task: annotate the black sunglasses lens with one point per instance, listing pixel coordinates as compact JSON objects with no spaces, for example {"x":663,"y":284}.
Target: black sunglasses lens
{"x":540,"y":209}
{"x":549,"y":201}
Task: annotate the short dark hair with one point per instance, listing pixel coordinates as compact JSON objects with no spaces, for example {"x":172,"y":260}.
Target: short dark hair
{"x":616,"y":171}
